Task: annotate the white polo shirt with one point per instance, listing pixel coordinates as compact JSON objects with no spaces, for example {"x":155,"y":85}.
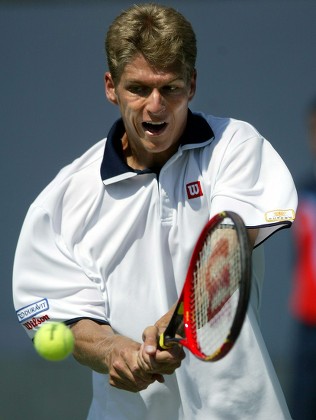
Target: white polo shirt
{"x":105,"y":242}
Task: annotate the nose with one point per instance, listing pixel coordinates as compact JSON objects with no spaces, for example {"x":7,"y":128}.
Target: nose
{"x":155,"y":102}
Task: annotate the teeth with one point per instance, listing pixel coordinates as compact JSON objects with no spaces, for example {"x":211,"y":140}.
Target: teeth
{"x":153,"y":126}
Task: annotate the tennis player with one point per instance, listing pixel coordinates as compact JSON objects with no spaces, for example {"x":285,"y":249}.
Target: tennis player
{"x":106,"y":246}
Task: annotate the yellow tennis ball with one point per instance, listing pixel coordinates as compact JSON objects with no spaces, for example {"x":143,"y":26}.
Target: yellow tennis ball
{"x":54,"y":341}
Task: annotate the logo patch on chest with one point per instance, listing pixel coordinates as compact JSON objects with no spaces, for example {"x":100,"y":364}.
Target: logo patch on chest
{"x":194,"y":190}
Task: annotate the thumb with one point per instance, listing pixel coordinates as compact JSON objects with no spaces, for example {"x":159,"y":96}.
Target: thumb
{"x":150,"y":338}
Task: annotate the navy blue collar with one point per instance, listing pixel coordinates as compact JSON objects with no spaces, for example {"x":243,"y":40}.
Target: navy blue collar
{"x":113,"y":164}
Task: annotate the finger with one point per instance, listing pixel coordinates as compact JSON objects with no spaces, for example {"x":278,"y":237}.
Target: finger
{"x":174,"y":353}
{"x":167,"y":361}
{"x":128,"y":385}
{"x":129,"y":379}
{"x":164,"y":363}
{"x":134,"y":370}
{"x":145,"y":361}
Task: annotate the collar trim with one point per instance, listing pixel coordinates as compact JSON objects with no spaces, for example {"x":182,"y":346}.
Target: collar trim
{"x":114,"y":168}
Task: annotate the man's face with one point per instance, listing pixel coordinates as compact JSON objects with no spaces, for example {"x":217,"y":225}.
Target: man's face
{"x":154,"y":107}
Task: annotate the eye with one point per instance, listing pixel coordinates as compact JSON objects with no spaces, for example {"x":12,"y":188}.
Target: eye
{"x":171,"y":89}
{"x":139,"y":90}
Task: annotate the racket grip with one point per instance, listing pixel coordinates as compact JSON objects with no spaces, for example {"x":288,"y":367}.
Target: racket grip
{"x":162,"y":344}
{"x":167,"y":342}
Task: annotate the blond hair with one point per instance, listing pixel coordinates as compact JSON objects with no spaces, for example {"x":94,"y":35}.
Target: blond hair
{"x":160,"y":34}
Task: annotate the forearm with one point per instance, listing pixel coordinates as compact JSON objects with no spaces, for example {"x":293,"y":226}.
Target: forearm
{"x":94,"y":344}
{"x":98,"y":347}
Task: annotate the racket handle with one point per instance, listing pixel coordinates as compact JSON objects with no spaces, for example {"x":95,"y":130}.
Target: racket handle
{"x":163,"y":344}
{"x":168,"y":338}
{"x":168,"y":342}
{"x":162,"y":341}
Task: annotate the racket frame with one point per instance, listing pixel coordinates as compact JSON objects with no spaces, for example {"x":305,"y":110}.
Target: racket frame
{"x":182,"y":311}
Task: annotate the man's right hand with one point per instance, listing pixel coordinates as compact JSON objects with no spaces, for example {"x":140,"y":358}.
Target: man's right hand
{"x":124,"y":369}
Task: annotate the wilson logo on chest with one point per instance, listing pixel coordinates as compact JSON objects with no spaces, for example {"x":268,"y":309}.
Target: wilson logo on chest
{"x":194,"y":190}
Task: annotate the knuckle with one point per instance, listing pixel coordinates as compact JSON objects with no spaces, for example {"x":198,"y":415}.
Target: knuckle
{"x":117,"y":365}
{"x":135,"y":369}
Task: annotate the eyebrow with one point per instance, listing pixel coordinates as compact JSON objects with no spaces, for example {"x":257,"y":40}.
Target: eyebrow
{"x":144,"y":83}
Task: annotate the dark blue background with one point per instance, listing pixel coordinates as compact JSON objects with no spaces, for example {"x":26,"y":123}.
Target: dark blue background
{"x":256,"y":62}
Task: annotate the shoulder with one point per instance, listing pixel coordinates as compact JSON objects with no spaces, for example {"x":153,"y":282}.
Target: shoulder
{"x":231,"y":135}
{"x":83,"y":172}
{"x":231,"y":127}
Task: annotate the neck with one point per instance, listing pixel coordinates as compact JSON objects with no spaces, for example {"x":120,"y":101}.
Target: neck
{"x":142,"y":159}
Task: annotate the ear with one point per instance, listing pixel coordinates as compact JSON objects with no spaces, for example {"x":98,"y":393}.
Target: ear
{"x":110,"y":88}
{"x":192,"y":85}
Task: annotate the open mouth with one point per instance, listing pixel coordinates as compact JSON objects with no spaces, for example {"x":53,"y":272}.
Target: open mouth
{"x":154,"y":127}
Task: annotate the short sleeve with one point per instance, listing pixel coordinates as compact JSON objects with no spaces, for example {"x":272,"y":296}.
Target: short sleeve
{"x":48,"y":284}
{"x":253,"y":181}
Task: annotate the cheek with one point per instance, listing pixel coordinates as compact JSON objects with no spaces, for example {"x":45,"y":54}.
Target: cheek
{"x":130,"y":108}
{"x":130,"y":117}
{"x":181,"y":112}
{"x":125,"y":111}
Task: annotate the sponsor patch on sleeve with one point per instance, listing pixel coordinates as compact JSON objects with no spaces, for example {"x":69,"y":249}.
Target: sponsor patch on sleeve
{"x":35,"y":322}
{"x":280,"y":215}
{"x":30,"y":311}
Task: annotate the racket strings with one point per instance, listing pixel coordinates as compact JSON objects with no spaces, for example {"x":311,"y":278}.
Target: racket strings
{"x":216,"y":279}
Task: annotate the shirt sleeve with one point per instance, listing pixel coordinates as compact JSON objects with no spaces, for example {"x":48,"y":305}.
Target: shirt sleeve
{"x":48,"y":284}
{"x":253,"y":181}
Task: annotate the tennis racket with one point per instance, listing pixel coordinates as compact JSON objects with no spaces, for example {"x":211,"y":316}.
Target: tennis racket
{"x":212,"y":307}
